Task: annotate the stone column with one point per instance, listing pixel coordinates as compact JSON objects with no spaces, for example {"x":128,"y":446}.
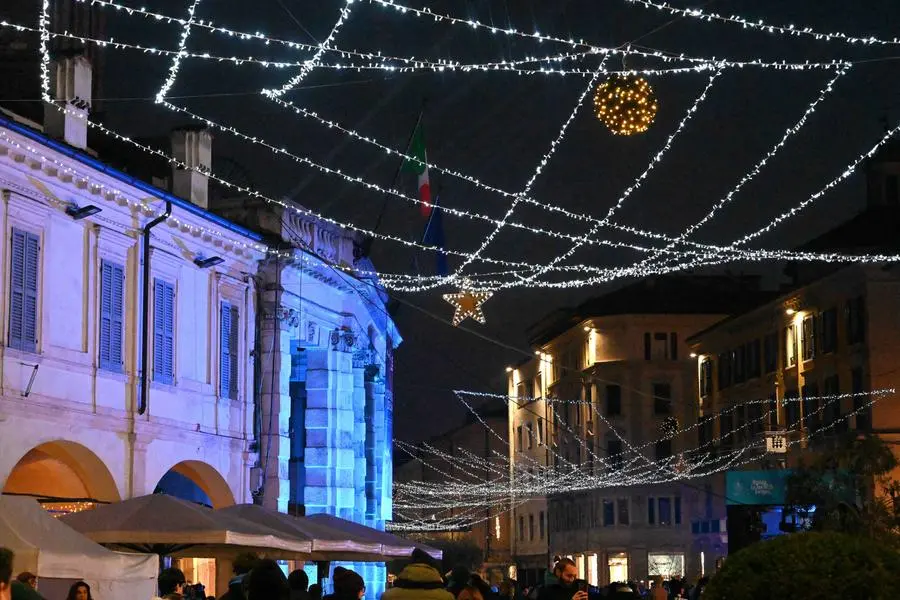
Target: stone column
{"x":359,"y":436}
{"x":277,"y":324}
{"x":330,"y":457}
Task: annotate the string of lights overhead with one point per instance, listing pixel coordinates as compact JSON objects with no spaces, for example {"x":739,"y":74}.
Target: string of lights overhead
{"x":759,"y":24}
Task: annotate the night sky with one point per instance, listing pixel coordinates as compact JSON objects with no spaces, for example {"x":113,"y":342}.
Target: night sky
{"x":496,"y":126}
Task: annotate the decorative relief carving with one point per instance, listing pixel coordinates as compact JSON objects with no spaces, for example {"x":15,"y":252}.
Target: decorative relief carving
{"x":343,"y":339}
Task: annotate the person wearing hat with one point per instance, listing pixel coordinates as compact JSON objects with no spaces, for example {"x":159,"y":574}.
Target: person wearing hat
{"x":419,"y":580}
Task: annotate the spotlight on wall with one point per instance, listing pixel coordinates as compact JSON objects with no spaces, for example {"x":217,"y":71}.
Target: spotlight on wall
{"x":587,"y":327}
{"x":790,"y":311}
{"x":693,"y":355}
{"x":509,"y":369}
{"x":205,"y":263}
{"x":78,"y":213}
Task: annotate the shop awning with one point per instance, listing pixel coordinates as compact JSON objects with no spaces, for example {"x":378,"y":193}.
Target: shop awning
{"x":164,"y":524}
{"x":392,"y":546}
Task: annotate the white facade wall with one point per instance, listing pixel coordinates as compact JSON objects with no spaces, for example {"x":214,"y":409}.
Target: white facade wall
{"x":86,"y":415}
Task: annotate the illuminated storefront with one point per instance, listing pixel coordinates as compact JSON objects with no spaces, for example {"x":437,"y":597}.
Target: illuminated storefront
{"x":618,"y":567}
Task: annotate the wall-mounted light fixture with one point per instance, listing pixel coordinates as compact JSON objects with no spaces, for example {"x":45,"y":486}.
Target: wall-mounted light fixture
{"x":509,"y":369}
{"x":205,"y":263}
{"x":78,"y":213}
{"x":693,"y":355}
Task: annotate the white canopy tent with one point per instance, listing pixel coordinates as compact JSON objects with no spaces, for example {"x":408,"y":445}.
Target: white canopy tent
{"x":54,"y":551}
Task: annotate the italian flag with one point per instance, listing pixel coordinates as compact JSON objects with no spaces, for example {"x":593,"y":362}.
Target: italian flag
{"x":418,"y":165}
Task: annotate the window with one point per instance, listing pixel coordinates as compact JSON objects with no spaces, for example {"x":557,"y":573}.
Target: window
{"x":832,"y":411}
{"x":23,"y":290}
{"x":665,"y":511}
{"x":790,"y":346}
{"x":704,"y":431}
{"x":521,"y":528}
{"x":677,"y":503}
{"x":811,"y":414}
{"x":623,"y":511}
{"x":755,"y":421}
{"x":740,"y":417}
{"x":829,"y":331}
{"x":753,"y":359}
{"x":163,"y":331}
{"x":609,"y":513}
{"x":228,"y":363}
{"x":530,"y":528}
{"x":648,"y":347}
{"x":529,"y":434}
{"x":613,"y":400}
{"x":860,"y":400}
{"x":538,"y":387}
{"x":791,"y":409}
{"x":663,"y":449}
{"x":726,"y":428}
{"x":662,"y":399}
{"x":706,"y":377}
{"x":740,"y":363}
{"x":724,"y":364}
{"x":673,"y":345}
{"x":856,"y":320}
{"x":541,"y":524}
{"x":809,"y":338}
{"x":112,"y":307}
{"x":519,"y":438}
{"x":540,"y":431}
{"x":651,"y":511}
{"x":770,"y":353}
{"x":660,"y":346}
{"x":614,"y":453}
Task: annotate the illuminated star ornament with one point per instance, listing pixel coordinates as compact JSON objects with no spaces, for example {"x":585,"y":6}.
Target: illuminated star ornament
{"x":468,"y":304}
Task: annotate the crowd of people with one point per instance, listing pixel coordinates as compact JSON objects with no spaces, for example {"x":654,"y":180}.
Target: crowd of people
{"x":421,"y":579}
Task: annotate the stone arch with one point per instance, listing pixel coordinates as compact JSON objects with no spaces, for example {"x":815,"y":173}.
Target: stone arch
{"x":62,"y":469}
{"x":208,"y":479}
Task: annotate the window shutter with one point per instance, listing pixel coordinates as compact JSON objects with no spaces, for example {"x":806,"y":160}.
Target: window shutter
{"x":163,"y":331}
{"x":29,"y":327}
{"x":117,"y":298}
{"x":225,"y":350}
{"x":159,"y":315}
{"x":233,"y":364}
{"x":169,"y":328}
{"x":16,"y":288}
{"x":105,"y":343}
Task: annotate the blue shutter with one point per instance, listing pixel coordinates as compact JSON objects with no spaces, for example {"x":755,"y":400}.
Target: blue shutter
{"x":116,"y":339}
{"x":16,"y":288}
{"x":105,"y":314}
{"x":23,"y":289}
{"x":225,"y":350}
{"x":169,"y":330}
{"x":233,"y":364}
{"x":112,"y":300}
{"x":163,"y":332}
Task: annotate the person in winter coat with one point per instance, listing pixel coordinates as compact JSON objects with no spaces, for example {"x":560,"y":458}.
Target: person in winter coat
{"x":298,"y":582}
{"x":419,"y":580}
{"x":266,"y":581}
{"x":560,"y":584}
{"x":350,"y":586}
{"x":243,"y":564}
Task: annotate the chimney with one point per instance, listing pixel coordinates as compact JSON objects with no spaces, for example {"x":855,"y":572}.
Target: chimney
{"x":70,"y":89}
{"x":192,"y":146}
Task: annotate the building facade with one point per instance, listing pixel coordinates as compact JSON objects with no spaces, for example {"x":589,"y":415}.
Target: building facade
{"x":805,"y":364}
{"x":449,"y":458}
{"x":266,"y":375}
{"x":612,"y":385}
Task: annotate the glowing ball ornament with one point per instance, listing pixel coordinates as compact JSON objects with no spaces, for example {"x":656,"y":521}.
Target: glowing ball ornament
{"x":626,"y":104}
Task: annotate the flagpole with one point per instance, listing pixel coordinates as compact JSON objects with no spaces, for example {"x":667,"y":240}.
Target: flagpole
{"x":368,"y":242}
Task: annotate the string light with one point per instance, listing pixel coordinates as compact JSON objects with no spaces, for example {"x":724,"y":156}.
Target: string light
{"x":323,"y":47}
{"x":176,"y":61}
{"x":626,"y":104}
{"x":537,"y":171}
{"x":696,"y":13}
{"x":829,"y":87}
{"x":634,"y":186}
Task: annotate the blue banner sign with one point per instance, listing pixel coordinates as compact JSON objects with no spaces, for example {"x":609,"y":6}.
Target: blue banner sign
{"x":759,"y":488}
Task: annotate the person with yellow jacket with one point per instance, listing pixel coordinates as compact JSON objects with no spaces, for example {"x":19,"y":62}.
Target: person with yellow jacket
{"x":419,"y":580}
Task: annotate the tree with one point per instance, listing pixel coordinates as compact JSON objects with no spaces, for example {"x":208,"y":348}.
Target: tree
{"x":809,"y":565}
{"x":850,"y":488}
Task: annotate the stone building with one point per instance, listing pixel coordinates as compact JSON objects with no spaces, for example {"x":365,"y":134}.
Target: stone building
{"x":804,"y":362}
{"x":267,"y":375}
{"x":488,"y":528}
{"x":616,"y":369}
